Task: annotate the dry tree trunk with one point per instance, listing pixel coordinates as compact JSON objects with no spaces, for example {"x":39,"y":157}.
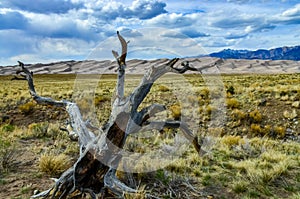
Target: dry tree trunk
{"x":94,"y":171}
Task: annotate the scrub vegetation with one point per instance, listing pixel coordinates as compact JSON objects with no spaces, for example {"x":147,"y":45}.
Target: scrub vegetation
{"x":254,"y":153}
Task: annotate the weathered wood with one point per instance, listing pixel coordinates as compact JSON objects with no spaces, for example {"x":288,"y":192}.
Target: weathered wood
{"x":100,"y":155}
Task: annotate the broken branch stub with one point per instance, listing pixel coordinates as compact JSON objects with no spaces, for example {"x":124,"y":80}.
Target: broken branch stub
{"x":100,"y":155}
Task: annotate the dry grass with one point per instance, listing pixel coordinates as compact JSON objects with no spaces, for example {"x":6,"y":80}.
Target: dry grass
{"x":253,"y":154}
{"x":53,"y":164}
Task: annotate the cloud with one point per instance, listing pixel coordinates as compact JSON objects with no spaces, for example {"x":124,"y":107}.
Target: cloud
{"x":173,"y":34}
{"x":188,"y":32}
{"x":173,"y":20}
{"x":127,"y":32}
{"x":219,"y":43}
{"x":12,"y":20}
{"x":47,"y":50}
{"x":41,"y":6}
{"x":235,"y":36}
{"x":293,"y":12}
{"x":193,"y":33}
{"x":259,"y":28}
{"x":152,"y":44}
{"x":14,"y":42}
{"x":64,"y":27}
{"x":145,"y":9}
{"x":237,"y":21}
{"x":18,"y":45}
{"x":141,"y":9}
{"x":69,"y":25}
{"x":46,"y":29}
{"x":288,"y":17}
{"x":64,"y":47}
{"x":238,"y":1}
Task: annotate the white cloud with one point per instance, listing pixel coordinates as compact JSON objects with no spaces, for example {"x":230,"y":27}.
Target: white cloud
{"x":173,"y":20}
{"x":289,"y":16}
{"x":14,"y":42}
{"x":110,"y":10}
{"x":150,"y":44}
{"x":295,"y":11}
{"x":71,"y":30}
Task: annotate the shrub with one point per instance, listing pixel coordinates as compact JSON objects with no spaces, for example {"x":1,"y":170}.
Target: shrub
{"x":27,"y":108}
{"x":231,"y":140}
{"x":267,"y":129}
{"x":140,"y":194}
{"x":279,"y":131}
{"x":240,"y":186}
{"x":255,"y":116}
{"x":8,"y":153}
{"x":231,"y":90}
{"x":238,"y":115}
{"x":163,"y":88}
{"x":8,"y":128}
{"x":209,"y":109}
{"x":84,"y":105}
{"x":176,"y":111}
{"x":256,"y":129}
{"x":100,"y":99}
{"x":37,"y":130}
{"x":54,"y":164}
{"x":204,"y":93}
{"x":232,"y":103}
{"x":162,"y":176}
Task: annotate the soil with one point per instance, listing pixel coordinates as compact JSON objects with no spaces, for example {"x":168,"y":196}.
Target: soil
{"x":24,"y":177}
{"x":39,"y":114}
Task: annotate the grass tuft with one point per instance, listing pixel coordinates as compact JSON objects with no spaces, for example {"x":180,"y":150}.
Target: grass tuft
{"x":255,"y":116}
{"x":27,"y":108}
{"x":54,"y":164}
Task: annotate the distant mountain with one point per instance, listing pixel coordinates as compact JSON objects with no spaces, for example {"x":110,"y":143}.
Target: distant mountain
{"x":282,"y":53}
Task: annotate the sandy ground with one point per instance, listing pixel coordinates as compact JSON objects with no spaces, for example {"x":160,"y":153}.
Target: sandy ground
{"x":229,"y":66}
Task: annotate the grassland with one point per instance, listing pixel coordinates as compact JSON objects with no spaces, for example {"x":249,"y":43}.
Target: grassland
{"x":252,"y":153}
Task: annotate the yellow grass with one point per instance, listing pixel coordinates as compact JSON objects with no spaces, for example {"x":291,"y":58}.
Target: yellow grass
{"x":250,"y":155}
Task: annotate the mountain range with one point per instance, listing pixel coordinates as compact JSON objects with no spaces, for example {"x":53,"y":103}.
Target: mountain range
{"x":282,"y":53}
{"x":277,"y":60}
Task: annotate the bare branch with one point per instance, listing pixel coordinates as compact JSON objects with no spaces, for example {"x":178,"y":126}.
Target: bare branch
{"x":113,"y":183}
{"x":124,"y":49}
{"x":146,"y":83}
{"x":17,"y":78}
{"x":158,"y":125}
{"x":150,"y":111}
{"x":121,"y":71}
{"x":134,"y":125}
{"x":186,"y":67}
{"x":76,"y":120}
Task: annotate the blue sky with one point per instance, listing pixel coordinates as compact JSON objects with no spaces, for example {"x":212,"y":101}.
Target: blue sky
{"x":52,"y":30}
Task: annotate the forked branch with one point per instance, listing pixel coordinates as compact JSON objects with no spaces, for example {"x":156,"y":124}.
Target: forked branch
{"x":121,"y":70}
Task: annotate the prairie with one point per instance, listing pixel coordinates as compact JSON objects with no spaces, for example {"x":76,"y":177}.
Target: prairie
{"x":248,"y":125}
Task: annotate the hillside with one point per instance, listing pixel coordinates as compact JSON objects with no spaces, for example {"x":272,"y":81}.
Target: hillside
{"x":282,"y":53}
{"x":226,"y":66}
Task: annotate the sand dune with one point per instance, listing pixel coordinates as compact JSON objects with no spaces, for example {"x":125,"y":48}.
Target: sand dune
{"x":229,"y":66}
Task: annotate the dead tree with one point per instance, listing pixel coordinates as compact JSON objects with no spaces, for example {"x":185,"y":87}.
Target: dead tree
{"x":94,"y":171}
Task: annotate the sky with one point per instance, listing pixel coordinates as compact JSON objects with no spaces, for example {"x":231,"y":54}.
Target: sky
{"x":43,"y":31}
